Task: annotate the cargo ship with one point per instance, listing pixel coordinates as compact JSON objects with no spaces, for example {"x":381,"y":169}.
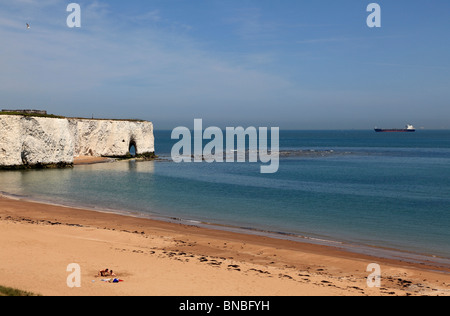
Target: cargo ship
{"x":409,"y":128}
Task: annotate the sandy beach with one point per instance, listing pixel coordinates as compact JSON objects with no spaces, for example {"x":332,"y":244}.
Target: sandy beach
{"x":88,"y":160}
{"x":156,"y":258}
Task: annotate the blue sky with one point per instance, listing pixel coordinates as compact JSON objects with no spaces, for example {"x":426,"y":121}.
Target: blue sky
{"x":292,"y":64}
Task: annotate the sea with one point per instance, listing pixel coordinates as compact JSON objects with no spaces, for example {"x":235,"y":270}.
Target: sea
{"x":384,"y":194}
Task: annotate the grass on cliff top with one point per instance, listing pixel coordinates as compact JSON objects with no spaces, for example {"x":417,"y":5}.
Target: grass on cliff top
{"x":61,"y":117}
{"x":7,"y":291}
{"x":106,"y":119}
{"x":31,"y":114}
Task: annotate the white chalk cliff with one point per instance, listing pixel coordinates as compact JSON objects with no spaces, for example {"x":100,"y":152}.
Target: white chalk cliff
{"x":40,"y":141}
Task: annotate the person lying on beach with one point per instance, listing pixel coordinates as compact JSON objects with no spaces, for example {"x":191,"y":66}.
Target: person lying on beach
{"x":115,"y":280}
{"x":104,"y":272}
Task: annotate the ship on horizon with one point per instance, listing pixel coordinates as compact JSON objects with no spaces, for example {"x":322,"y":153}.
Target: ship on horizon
{"x":409,"y":128}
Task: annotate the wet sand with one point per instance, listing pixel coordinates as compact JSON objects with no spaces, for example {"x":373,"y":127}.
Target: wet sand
{"x":88,"y":160}
{"x":157,"y":258}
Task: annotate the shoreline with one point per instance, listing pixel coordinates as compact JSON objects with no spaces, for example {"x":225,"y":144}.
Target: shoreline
{"x":251,"y":261}
{"x":435,"y":263}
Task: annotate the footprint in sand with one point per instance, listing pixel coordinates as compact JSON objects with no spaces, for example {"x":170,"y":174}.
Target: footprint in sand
{"x":234,"y":267}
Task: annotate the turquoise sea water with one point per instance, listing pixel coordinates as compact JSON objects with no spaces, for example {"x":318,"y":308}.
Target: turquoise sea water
{"x":356,"y":188}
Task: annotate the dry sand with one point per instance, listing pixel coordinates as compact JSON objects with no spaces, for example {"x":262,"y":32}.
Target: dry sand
{"x":154,"y":258}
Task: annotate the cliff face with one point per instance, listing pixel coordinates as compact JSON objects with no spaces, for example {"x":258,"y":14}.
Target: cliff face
{"x":38,"y":141}
{"x":108,"y":138}
{"x":34,"y":141}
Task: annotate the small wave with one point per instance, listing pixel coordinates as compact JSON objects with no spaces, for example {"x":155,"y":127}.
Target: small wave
{"x":312,"y":153}
{"x":12,"y":196}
